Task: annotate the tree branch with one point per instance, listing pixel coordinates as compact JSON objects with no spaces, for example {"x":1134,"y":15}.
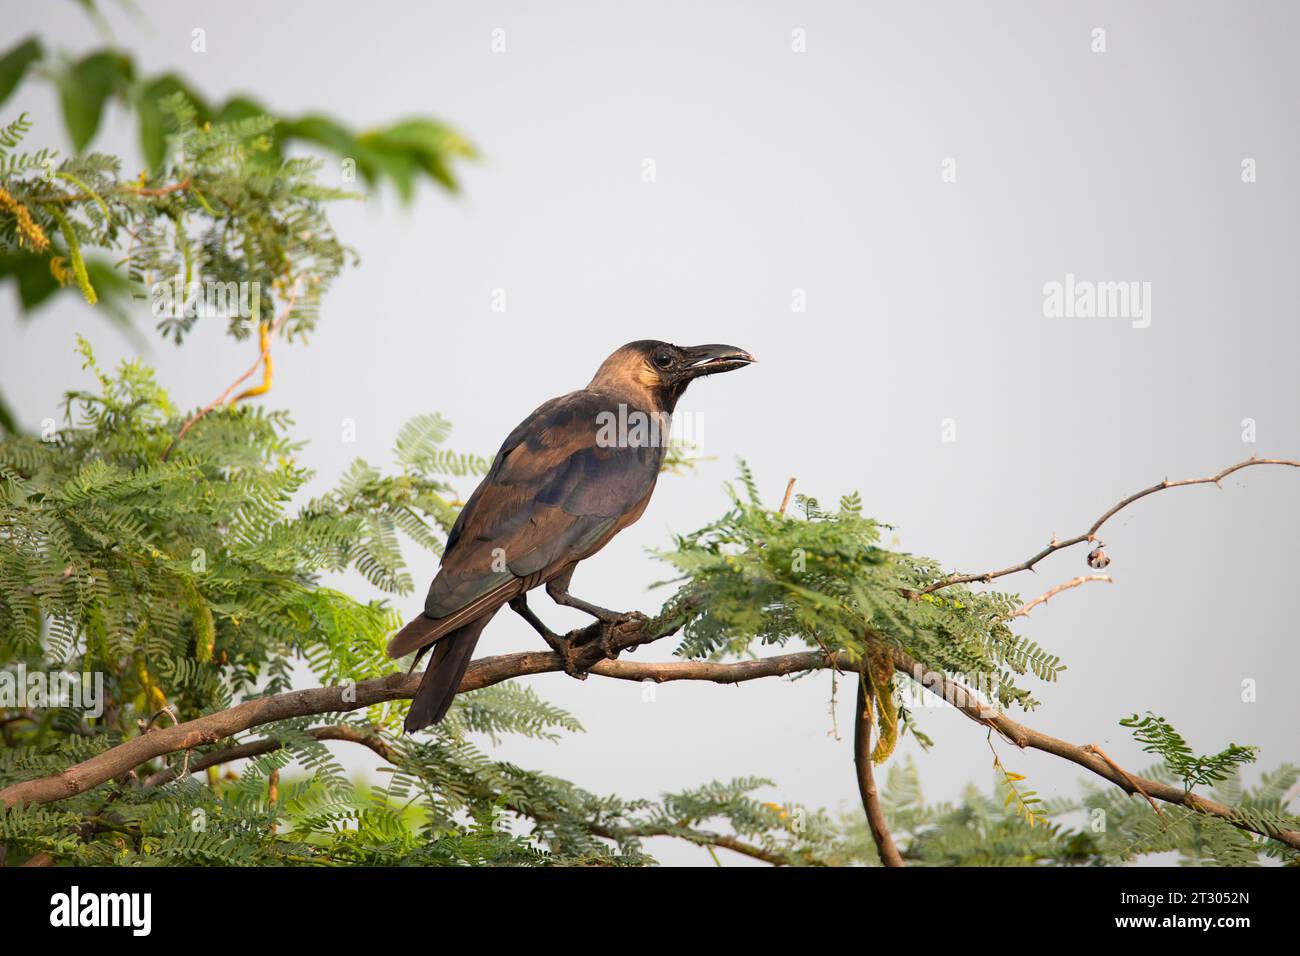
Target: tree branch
{"x":256,"y":748}
{"x":785,"y":502}
{"x":492,"y":670}
{"x":698,"y":837}
{"x":64,"y":198}
{"x":966,"y":700}
{"x":884,"y":840}
{"x":267,"y":335}
{"x":1091,"y":533}
{"x":1046,"y":596}
{"x":218,"y":726}
{"x":380,"y":747}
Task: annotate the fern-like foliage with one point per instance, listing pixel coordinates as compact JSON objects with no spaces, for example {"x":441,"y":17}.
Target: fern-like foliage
{"x":217,"y":227}
{"x":1103,"y":827}
{"x":758,"y":577}
{"x":1158,"y":736}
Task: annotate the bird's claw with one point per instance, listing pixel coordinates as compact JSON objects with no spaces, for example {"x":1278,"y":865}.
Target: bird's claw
{"x":600,"y":632}
{"x":634,"y":617}
{"x":607,"y":629}
{"x":564,"y":647}
{"x":631,"y":617}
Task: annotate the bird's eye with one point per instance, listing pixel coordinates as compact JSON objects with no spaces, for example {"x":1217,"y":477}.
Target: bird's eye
{"x":663,"y":359}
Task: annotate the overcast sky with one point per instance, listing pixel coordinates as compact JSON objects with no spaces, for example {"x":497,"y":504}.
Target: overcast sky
{"x":915,"y":175}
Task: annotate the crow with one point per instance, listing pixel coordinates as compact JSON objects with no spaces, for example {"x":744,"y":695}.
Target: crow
{"x":570,"y":476}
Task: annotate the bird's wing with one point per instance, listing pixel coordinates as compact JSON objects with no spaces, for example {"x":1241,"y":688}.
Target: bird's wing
{"x":553,"y":493}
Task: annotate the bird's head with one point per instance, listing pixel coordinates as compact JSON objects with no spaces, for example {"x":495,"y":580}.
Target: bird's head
{"x":663,"y":371}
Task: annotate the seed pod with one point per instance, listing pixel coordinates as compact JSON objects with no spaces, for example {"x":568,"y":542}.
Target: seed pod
{"x":1098,"y":558}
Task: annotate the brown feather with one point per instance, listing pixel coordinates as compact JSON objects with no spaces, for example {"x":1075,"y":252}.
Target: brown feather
{"x":442,"y":679}
{"x":424,"y":630}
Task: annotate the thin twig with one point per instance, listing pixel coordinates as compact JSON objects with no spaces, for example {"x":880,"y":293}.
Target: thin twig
{"x":133,"y":190}
{"x":162,"y":191}
{"x":1091,"y":533}
{"x":380,"y":747}
{"x":273,"y":795}
{"x":257,"y":748}
{"x":1094,"y":749}
{"x":1046,"y":596}
{"x":263,"y":354}
{"x":268,"y":368}
{"x":786,"y":500}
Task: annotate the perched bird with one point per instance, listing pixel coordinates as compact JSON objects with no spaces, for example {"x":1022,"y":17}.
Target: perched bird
{"x":570,"y":476}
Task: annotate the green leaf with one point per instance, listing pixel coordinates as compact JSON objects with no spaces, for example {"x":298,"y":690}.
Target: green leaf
{"x":321,"y":129}
{"x":85,"y":88}
{"x":324,"y":131}
{"x":8,"y":423}
{"x":36,"y":285}
{"x":401,"y":169}
{"x":14,"y":64}
{"x":153,"y":134}
{"x":32,"y":275}
{"x":415,"y":145}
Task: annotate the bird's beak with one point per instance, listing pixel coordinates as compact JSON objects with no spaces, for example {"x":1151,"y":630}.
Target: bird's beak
{"x":710,"y":359}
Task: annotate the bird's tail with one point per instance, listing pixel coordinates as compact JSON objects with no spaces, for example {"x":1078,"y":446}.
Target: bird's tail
{"x":443,"y":676}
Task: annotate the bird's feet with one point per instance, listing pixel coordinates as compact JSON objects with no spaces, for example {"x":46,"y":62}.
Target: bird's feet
{"x":606,"y":630}
{"x":565,"y":648}
{"x":602,"y":632}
